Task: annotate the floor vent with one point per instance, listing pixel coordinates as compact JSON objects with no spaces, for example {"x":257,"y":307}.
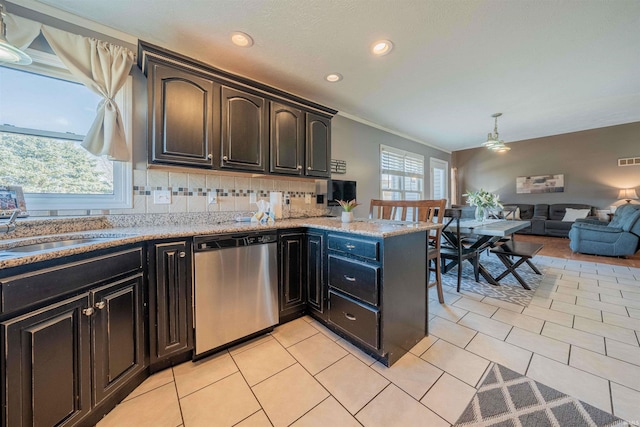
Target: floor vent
{"x":630,"y":161}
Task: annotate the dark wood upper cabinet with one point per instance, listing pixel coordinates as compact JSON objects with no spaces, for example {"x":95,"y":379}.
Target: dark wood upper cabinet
{"x":182,"y":116}
{"x":287,"y":139}
{"x":318,"y":146}
{"x":244,"y":143}
{"x":203,"y":116}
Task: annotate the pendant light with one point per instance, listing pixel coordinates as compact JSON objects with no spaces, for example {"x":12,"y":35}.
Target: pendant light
{"x":493,"y":141}
{"x":9,"y":53}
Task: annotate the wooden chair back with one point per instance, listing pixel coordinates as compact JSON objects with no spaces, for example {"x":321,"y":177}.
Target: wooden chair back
{"x":407,"y":210}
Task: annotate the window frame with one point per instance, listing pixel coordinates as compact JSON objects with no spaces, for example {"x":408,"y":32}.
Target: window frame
{"x":404,"y":174}
{"x":49,"y":65}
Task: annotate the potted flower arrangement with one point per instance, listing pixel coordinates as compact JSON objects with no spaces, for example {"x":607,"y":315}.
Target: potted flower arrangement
{"x":347,"y":214}
{"x":483,"y":201}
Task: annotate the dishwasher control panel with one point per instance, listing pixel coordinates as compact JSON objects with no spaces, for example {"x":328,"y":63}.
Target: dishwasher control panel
{"x":203,"y":243}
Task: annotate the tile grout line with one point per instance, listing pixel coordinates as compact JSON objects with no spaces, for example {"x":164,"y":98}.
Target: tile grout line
{"x":175,"y":387}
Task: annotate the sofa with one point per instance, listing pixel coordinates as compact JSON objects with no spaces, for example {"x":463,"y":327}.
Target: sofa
{"x":620,"y":237}
{"x":547,"y":220}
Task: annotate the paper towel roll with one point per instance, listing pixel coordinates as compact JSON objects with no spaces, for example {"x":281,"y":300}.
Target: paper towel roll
{"x":275,"y":198}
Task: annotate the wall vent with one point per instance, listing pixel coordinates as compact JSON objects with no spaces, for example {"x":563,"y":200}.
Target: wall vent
{"x":630,"y":161}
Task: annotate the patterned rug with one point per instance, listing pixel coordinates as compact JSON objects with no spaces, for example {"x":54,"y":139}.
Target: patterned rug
{"x":509,"y":290}
{"x":509,"y":399}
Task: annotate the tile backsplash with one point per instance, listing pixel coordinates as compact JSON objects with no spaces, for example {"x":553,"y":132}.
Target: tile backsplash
{"x":190,"y":193}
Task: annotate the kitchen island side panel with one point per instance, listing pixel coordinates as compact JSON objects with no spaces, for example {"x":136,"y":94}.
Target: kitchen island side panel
{"x":404,"y":293}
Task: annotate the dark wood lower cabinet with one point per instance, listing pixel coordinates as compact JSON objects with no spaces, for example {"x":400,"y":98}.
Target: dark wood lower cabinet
{"x":291,"y":274}
{"x":66,"y":362}
{"x":171,"y":327}
{"x":48,"y":365}
{"x":315,"y":266}
{"x":117,"y":335}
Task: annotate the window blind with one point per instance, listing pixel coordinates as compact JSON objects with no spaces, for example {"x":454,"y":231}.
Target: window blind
{"x":401,"y":174}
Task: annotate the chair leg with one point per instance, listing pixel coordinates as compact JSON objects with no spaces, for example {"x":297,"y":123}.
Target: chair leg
{"x":459,"y":273}
{"x":476,"y":267}
{"x":439,"y":280}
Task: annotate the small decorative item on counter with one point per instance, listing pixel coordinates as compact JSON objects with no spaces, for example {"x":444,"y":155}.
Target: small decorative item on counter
{"x":484,"y":202}
{"x":347,"y":214}
{"x":263,"y":215}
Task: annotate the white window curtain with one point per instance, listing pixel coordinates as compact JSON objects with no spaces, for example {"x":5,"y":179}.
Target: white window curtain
{"x":100,"y":66}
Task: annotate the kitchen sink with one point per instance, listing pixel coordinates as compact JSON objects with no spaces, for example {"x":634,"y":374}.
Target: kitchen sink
{"x":38,"y":247}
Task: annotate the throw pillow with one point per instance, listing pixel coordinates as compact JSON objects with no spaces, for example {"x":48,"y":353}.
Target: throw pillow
{"x":570,"y":214}
{"x":511,"y":215}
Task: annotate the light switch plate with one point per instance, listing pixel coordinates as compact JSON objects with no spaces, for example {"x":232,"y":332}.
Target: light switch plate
{"x":162,"y":197}
{"x":307,"y":199}
{"x":213,"y":198}
{"x":252,"y":197}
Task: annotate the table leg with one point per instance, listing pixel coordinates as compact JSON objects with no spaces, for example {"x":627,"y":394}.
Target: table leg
{"x":511,"y":269}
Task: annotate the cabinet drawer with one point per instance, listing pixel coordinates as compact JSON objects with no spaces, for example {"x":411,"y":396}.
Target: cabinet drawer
{"x":362,"y":248}
{"x":354,"y":278}
{"x":354,"y":318}
{"x":31,"y":288}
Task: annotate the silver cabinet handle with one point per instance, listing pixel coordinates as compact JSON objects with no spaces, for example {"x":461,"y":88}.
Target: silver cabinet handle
{"x":210,"y":156}
{"x":350,"y":278}
{"x":100,"y":305}
{"x":299,"y":167}
{"x":350,"y":316}
{"x":225,"y":158}
{"x":350,"y":246}
{"x":88,"y":311}
{"x":308,"y":168}
{"x":182,"y":254}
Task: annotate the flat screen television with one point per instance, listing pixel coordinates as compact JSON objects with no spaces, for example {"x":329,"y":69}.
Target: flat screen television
{"x":341,"y":190}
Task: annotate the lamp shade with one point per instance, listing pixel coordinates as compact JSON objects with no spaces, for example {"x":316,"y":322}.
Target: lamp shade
{"x":627,"y":194}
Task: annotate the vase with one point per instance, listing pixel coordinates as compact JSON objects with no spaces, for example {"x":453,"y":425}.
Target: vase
{"x":481,"y":213}
{"x":347,"y":216}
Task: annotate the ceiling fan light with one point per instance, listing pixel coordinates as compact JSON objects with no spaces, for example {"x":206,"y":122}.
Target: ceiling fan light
{"x":9,"y":53}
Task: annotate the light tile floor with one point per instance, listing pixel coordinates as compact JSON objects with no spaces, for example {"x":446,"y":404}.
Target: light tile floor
{"x":579,"y":335}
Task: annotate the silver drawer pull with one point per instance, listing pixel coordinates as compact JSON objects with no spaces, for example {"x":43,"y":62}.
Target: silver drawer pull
{"x":350,"y":316}
{"x":88,"y":311}
{"x":182,"y":254}
{"x":350,"y":246}
{"x":349,"y":278}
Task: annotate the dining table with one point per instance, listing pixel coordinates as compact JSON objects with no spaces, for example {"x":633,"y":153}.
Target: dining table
{"x":485,"y":234}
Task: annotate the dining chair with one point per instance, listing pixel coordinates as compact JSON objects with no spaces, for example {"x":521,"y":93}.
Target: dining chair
{"x":417,"y":210}
{"x":455,"y":249}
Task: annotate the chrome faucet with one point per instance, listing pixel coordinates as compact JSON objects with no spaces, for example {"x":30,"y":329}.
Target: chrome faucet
{"x":10,"y":225}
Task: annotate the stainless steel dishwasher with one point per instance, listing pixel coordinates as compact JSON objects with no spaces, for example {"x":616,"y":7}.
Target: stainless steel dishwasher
{"x":235,"y":287}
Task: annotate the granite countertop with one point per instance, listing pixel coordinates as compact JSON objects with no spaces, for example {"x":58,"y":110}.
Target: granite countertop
{"x":102,"y":238}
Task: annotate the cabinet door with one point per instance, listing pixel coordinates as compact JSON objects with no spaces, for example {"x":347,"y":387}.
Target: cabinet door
{"x":287,"y":139}
{"x":318,"y":146}
{"x":118,"y":335}
{"x":47,"y":366}
{"x":170,"y":301}
{"x":315,"y":271}
{"x":244,"y":134}
{"x":292,"y":297}
{"x":181,"y":116}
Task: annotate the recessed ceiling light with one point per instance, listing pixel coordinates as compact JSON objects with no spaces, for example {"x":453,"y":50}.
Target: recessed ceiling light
{"x":241,"y":39}
{"x":381,"y":47}
{"x":333,"y":77}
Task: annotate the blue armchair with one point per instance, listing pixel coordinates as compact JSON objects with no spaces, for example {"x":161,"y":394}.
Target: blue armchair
{"x":620,"y":237}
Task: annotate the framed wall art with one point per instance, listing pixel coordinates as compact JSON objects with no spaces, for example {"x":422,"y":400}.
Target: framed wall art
{"x":537,"y":184}
{"x":12,"y":198}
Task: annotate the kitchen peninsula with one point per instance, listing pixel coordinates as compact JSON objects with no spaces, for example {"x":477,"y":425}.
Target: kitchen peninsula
{"x":364,"y":280}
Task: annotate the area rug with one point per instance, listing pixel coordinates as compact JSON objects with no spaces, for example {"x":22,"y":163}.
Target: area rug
{"x":509,"y":290}
{"x":509,"y":399}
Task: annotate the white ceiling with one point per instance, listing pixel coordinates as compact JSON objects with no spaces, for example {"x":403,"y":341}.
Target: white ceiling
{"x":550,"y":66}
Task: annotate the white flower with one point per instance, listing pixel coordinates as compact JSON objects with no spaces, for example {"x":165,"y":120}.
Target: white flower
{"x":483,"y":199}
